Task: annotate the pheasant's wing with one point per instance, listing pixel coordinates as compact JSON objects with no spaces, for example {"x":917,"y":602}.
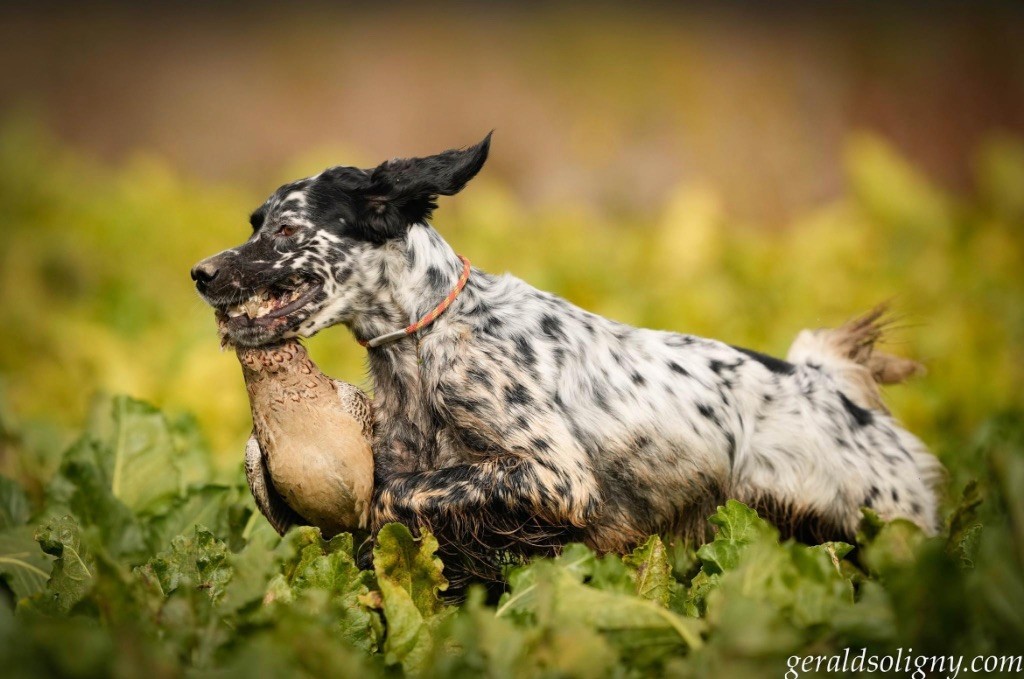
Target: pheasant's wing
{"x":356,"y":403}
{"x":280,"y":515}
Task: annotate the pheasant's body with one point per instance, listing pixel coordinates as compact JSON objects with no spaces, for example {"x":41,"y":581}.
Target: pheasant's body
{"x":309,"y":460}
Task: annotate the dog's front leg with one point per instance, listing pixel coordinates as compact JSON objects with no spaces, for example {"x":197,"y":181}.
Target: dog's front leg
{"x":486,"y":497}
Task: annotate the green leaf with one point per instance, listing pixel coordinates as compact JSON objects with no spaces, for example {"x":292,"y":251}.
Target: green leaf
{"x":83,"y":488}
{"x":610,"y":574}
{"x":140,"y":455}
{"x":870,"y":525}
{"x":71,"y":577}
{"x":576,"y":558}
{"x":738,"y":526}
{"x":893,"y":546}
{"x":329,"y":581}
{"x":475,"y":642}
{"x":192,"y":458}
{"x":410,"y":577}
{"x":14,"y":507}
{"x":202,"y":506}
{"x":554,"y":593}
{"x":801,"y":585}
{"x":650,"y":571}
{"x":198,"y":561}
{"x":254,"y":566}
{"x":23,"y":565}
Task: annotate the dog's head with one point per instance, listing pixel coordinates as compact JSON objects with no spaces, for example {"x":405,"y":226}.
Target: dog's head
{"x":310,"y":259}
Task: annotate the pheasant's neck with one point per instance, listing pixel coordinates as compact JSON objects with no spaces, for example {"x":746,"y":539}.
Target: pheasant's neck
{"x":281,"y":373}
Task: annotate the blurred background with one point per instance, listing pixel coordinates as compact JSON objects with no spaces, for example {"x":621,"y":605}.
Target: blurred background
{"x":739,"y":171}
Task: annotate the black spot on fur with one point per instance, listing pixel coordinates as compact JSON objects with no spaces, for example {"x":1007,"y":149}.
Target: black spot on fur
{"x":435,"y":278}
{"x":464,"y":402}
{"x":776,"y":365}
{"x":678,"y":340}
{"x":552,"y":327}
{"x":492,"y":324}
{"x":861,"y":416}
{"x":525,"y":350}
{"x":516,"y":394}
{"x":678,"y":369}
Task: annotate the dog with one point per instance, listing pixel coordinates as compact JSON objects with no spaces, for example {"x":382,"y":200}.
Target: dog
{"x":508,"y":421}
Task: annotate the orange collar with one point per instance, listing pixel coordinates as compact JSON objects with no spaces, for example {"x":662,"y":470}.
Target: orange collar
{"x":396,"y":335}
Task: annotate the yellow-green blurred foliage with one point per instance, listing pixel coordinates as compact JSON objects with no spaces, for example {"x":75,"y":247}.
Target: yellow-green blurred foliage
{"x":96,"y":293}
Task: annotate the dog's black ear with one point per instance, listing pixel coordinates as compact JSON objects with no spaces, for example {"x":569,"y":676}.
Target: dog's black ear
{"x":404,"y":191}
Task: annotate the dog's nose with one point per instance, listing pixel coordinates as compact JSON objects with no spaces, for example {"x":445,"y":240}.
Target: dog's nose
{"x":204,"y":272}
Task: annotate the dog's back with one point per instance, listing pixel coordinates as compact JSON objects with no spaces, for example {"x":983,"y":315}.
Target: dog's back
{"x":865,"y":458}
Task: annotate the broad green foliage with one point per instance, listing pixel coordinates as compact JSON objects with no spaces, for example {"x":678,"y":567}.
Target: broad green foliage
{"x":197,"y":582}
{"x":409,"y":577}
{"x":23,"y":567}
{"x":198,"y":560}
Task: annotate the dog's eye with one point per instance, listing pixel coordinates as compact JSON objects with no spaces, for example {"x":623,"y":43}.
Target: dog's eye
{"x":287,"y":230}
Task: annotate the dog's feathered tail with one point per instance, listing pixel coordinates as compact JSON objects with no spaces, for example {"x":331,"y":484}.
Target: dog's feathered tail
{"x":850,"y":355}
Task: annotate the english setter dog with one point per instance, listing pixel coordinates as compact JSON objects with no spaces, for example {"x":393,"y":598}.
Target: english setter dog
{"x":509,"y":421}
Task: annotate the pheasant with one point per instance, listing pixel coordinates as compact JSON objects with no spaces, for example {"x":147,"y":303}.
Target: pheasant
{"x":308,"y":460}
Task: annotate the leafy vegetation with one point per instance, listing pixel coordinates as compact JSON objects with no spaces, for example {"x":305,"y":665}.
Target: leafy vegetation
{"x":118,"y":571}
{"x":130,"y":545}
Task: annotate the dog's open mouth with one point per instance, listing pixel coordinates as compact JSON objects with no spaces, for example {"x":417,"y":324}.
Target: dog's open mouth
{"x":269,"y":308}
